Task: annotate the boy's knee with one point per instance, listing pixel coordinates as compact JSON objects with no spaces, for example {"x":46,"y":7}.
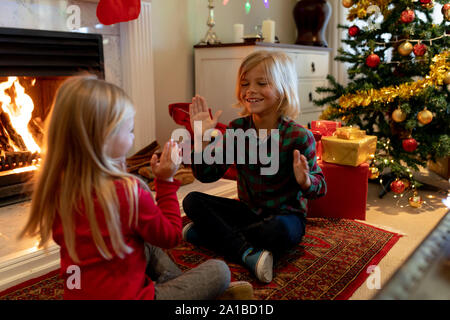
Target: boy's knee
{"x":190,"y":201}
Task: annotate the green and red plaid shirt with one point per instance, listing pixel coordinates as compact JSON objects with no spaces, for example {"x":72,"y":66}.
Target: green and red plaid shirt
{"x":279,"y":193}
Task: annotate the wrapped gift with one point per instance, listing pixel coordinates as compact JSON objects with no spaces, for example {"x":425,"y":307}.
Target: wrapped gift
{"x":322,"y":128}
{"x":325,"y":127}
{"x":349,"y":133}
{"x":339,"y":202}
{"x":351,"y":152}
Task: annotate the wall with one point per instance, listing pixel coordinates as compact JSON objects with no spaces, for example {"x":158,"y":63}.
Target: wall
{"x":180,"y":24}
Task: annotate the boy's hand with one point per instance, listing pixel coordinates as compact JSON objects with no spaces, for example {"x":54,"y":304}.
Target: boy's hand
{"x":169,"y":162}
{"x":198,"y":111}
{"x":301,"y":170}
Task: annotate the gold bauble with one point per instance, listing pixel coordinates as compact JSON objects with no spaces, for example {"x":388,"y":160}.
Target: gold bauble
{"x":415,"y":201}
{"x":428,"y":6}
{"x":405,"y":48}
{"x":373,"y":173}
{"x":447,"y":78}
{"x":347,"y":3}
{"x":398,"y":115}
{"x":407,"y":183}
{"x":425,"y":116}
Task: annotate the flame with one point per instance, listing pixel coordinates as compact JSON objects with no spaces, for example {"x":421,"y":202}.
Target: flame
{"x":19,"y":111}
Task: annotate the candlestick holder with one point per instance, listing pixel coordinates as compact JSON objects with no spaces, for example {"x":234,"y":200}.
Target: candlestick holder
{"x":210,"y":37}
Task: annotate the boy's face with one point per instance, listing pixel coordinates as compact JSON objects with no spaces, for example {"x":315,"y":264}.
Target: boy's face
{"x":119,"y":144}
{"x":257,"y":94}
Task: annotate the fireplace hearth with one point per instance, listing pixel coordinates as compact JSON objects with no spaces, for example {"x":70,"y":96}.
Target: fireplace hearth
{"x":33,"y":63}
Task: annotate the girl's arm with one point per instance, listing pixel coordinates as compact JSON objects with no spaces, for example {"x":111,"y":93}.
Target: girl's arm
{"x":160,"y":224}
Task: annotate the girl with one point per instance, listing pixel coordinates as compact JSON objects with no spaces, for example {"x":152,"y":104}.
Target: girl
{"x":270,"y":216}
{"x":104,"y":219}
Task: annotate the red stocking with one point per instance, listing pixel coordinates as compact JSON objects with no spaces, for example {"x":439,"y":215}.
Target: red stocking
{"x":115,"y":11}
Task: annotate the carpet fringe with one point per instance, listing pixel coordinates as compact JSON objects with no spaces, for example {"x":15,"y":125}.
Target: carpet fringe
{"x":387,"y":228}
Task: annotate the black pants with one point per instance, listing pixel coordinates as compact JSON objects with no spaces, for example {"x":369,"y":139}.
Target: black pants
{"x":229,"y":226}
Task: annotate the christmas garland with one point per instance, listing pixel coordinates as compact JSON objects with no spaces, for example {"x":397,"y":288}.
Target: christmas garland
{"x":438,"y":71}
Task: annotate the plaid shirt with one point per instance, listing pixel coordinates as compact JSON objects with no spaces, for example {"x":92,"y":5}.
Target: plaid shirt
{"x":277,"y":193}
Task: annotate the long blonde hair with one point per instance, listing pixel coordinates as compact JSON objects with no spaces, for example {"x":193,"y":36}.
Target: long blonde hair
{"x":281,"y":74}
{"x":86,"y":113}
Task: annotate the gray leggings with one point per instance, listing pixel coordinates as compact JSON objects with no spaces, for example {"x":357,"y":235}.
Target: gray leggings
{"x":205,"y":282}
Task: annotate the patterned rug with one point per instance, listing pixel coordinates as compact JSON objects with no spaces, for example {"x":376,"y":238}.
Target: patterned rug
{"x":329,"y":264}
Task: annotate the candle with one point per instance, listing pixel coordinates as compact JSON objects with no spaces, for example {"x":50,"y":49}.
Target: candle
{"x":238,"y":32}
{"x":268,"y":30}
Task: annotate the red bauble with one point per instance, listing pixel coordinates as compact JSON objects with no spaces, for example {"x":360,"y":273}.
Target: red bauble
{"x":420,"y":49}
{"x":353,"y":31}
{"x":409,"y":145}
{"x":397,"y":186}
{"x":425,"y":1}
{"x":408,"y":16}
{"x":373,"y":60}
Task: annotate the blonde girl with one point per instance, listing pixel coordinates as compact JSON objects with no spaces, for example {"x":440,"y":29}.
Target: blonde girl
{"x":270,"y":216}
{"x":103,"y":218}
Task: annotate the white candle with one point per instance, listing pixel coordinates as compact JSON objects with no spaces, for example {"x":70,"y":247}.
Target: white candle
{"x":238,"y":32}
{"x":268,"y":30}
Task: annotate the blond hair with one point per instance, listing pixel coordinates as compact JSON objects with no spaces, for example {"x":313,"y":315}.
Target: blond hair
{"x":281,"y":75}
{"x":86,"y":113}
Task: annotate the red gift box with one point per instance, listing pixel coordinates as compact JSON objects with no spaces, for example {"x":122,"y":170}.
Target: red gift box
{"x":322,"y":128}
{"x":325,"y":127}
{"x":346,"y":192}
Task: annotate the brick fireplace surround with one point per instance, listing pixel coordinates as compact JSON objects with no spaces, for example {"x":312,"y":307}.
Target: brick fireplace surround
{"x":128,"y":59}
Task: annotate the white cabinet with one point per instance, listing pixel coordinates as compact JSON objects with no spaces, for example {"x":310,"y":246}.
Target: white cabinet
{"x":216,"y":69}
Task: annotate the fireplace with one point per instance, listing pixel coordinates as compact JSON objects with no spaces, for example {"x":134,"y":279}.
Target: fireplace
{"x":33,"y":64}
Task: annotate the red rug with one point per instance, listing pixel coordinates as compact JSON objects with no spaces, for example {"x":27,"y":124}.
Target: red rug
{"x":329,"y":264}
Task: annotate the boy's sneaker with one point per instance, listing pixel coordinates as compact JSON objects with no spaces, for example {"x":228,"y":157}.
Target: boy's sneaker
{"x":238,"y":290}
{"x":190,"y":234}
{"x":261,"y":263}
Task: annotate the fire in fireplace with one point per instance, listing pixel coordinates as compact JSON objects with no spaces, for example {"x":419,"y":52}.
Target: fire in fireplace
{"x":33,"y":64}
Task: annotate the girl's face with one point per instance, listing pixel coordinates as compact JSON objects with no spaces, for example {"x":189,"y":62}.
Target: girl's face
{"x":119,"y":144}
{"x":257,"y":94}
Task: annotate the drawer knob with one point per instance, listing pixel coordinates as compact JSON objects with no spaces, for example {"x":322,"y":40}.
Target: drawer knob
{"x":313,"y":67}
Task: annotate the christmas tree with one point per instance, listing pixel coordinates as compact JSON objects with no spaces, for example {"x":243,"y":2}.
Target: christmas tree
{"x":398,"y":90}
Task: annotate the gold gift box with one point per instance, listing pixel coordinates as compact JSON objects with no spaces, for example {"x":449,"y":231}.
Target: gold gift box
{"x":350,"y":152}
{"x":349,"y":133}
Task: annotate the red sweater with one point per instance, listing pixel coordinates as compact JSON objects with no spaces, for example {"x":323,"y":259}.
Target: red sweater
{"x":159,"y":224}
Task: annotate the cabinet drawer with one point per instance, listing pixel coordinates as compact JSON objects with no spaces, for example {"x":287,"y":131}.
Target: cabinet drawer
{"x":312,"y":65}
{"x":307,"y":93}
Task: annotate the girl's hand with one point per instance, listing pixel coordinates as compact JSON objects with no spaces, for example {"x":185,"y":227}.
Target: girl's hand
{"x":169,"y":162}
{"x":198,"y":111}
{"x":301,"y":170}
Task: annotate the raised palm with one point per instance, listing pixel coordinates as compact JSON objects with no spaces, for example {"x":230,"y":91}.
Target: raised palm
{"x":198,"y":112}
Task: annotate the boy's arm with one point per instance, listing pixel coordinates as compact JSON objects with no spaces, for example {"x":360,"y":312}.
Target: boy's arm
{"x":210,"y":164}
{"x":318,"y":187}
